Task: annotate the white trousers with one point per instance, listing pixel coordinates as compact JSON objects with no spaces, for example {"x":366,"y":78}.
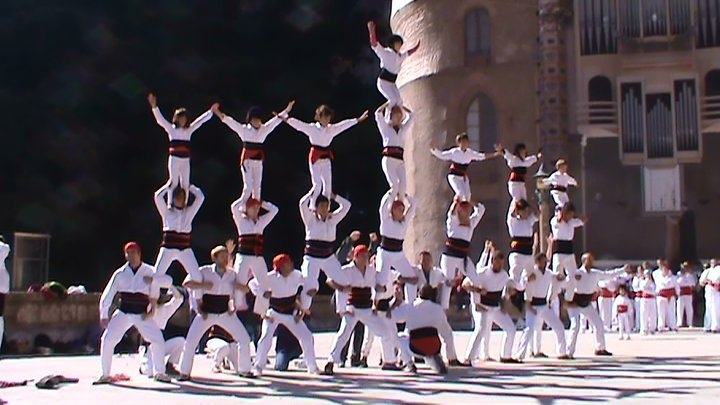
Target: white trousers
{"x":591,"y":314}
{"x":605,"y":308}
{"x":321,"y":178}
{"x":715,"y":312}
{"x":533,"y":327}
{"x":385,"y":261}
{"x":480,"y":338}
{"x":394,"y":170}
{"x":623,"y":321}
{"x":560,"y":197}
{"x":451,"y":267}
{"x":179,"y":173}
{"x":252,"y":172}
{"x":2,"y":329}
{"x":390,"y":328}
{"x":666,"y":313}
{"x":298,"y":329}
{"x":707,"y":317}
{"x":685,"y":307}
{"x":460,"y":185}
{"x":636,"y":314}
{"x":255,"y":265}
{"x":519,"y":262}
{"x":227,"y":321}
{"x":536,"y":346}
{"x":311,"y":267}
{"x":222,"y":350}
{"x":185,"y":257}
{"x":648,"y":315}
{"x":173,"y":350}
{"x":517,"y":190}
{"x":119,"y":323}
{"x":390,"y":91}
{"x":562,"y":261}
{"x":372,"y":322}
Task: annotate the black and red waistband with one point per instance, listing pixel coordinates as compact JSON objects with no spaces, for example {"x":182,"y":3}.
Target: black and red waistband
{"x":320,"y":152}
{"x":133,"y":303}
{"x":175,"y":240}
{"x":458,"y":169}
{"x":394,"y":152}
{"x":284,"y":305}
{"x":491,"y":298}
{"x":252,"y":151}
{"x":387,"y":75}
{"x":215,"y":304}
{"x":521,"y":245}
{"x":390,"y":244}
{"x":517,"y":174}
{"x":251,"y":245}
{"x":455,"y":247}
{"x":360,"y":297}
{"x":179,"y":149}
{"x":319,"y":249}
{"x":563,"y":247}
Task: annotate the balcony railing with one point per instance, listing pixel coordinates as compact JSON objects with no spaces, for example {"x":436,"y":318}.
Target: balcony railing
{"x":597,"y":118}
{"x":710,"y":114}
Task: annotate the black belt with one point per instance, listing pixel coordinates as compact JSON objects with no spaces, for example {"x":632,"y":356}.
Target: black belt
{"x":387,"y":75}
{"x":390,"y":244}
{"x":491,"y":298}
{"x":2,"y":304}
{"x":537,"y":301}
{"x":582,"y":300}
{"x":521,"y":245}
{"x":251,"y":245}
{"x":133,"y":303}
{"x":284,"y":305}
{"x":517,"y":174}
{"x":175,"y":240}
{"x":561,"y":189}
{"x":394,"y":152}
{"x":455,"y":247}
{"x":319,"y":249}
{"x":458,"y":169}
{"x":179,"y":149}
{"x":215,"y":304}
{"x":563,"y":247}
{"x":360,"y":297}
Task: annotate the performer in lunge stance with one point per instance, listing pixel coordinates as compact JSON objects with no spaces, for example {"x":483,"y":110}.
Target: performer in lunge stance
{"x":429,"y":274}
{"x":559,"y":182}
{"x":686,"y":282}
{"x":213,"y":288}
{"x":320,"y":234}
{"x":177,"y":227}
{"x":173,"y":343}
{"x":321,"y":135}
{"x":393,"y":124}
{"x":252,"y":134}
{"x":250,"y":226}
{"x":579,"y":291}
{"x":563,"y":226}
{"x":362,"y":280}
{"x":667,"y":289}
{"x":4,"y":284}
{"x":394,"y":220}
{"x":648,"y":307}
{"x":391,"y":60}
{"x":179,"y":132}
{"x":460,"y":158}
{"x":521,"y":221}
{"x":487,"y":286}
{"x":622,"y":312}
{"x":518,"y":161}
{"x":283,"y":283}
{"x":138,"y":298}
{"x":462,"y":219}
{"x":539,"y":282}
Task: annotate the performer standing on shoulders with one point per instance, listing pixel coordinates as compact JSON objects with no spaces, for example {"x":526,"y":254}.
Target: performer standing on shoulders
{"x":563,"y":226}
{"x":393,"y":124}
{"x":519,"y":162}
{"x":4,"y":283}
{"x":321,"y":135}
{"x":177,"y":219}
{"x":179,"y":132}
{"x":520,"y":222}
{"x":138,"y":298}
{"x":391,"y":60}
{"x":394,"y":220}
{"x":559,"y":182}
{"x":460,"y":158}
{"x":253,"y":135}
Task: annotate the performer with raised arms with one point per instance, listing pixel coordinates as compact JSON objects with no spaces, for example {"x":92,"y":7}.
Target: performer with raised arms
{"x":559,"y":182}
{"x":521,"y":221}
{"x":518,"y":161}
{"x":394,"y":219}
{"x":393,"y":124}
{"x":563,"y":226}
{"x":391,"y":60}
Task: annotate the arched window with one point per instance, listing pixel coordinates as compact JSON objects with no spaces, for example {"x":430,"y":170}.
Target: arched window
{"x":481,"y":123}
{"x":600,"y":93}
{"x":712,"y":83}
{"x":477,"y":33}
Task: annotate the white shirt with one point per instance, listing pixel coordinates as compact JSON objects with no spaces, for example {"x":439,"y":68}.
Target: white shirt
{"x":164,"y":312}
{"x":421,"y":314}
{"x":647,"y":285}
{"x":713,"y":276}
{"x":523,"y":228}
{"x":455,"y":230}
{"x":622,"y":300}
{"x":357,"y":278}
{"x":703,"y":278}
{"x":248,"y":133}
{"x":283,"y":287}
{"x":247,"y":226}
{"x":589,"y":280}
{"x":686,"y":280}
{"x":316,"y":228}
{"x":4,"y":275}
{"x":389,"y":59}
{"x":565,"y":230}
{"x":221,"y":284}
{"x":177,"y":133}
{"x":457,"y":155}
{"x":489,"y":280}
{"x":388,"y":226}
{"x":125,"y":280}
{"x":609,"y":285}
{"x":560,"y":179}
{"x":515,"y":161}
{"x":435,"y":277}
{"x":319,"y":135}
{"x":664,"y":282}
{"x":391,"y":137}
{"x":176,"y":220}
{"x":542,"y":285}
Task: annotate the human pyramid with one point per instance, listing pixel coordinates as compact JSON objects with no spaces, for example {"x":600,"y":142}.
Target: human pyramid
{"x":380,"y":293}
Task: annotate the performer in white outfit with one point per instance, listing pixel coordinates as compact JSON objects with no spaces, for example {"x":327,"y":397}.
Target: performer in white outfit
{"x":177,"y":227}
{"x":460,"y":158}
{"x":173,"y":344}
{"x":520,"y":222}
{"x":622,"y":312}
{"x":179,"y":133}
{"x":252,"y":134}
{"x":563,"y":226}
{"x":321,"y":135}
{"x":138,"y":299}
{"x":462,"y":219}
{"x":539,"y":282}
{"x":578,"y":293}
{"x":637,"y":278}
{"x":487,"y":286}
{"x":391,"y":60}
{"x":713,"y":280}
{"x":363,"y":280}
{"x":667,"y":289}
{"x":394,"y":125}
{"x":708,"y":290}
{"x":251,"y":226}
{"x":214,"y":288}
{"x":283,"y":283}
{"x":605,"y":301}
{"x":429,"y":274}
{"x":4,"y":283}
{"x":686,"y":283}
{"x":648,"y":306}
{"x":559,"y":182}
{"x":320,"y":234}
{"x":394,"y":220}
{"x":518,"y":161}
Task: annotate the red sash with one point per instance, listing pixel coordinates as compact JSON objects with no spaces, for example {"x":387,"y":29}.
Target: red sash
{"x":686,"y":290}
{"x":320,"y":152}
{"x":667,"y":292}
{"x":425,"y":341}
{"x":621,"y":309}
{"x":605,"y":293}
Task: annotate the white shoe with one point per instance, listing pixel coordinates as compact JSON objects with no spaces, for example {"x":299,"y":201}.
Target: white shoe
{"x":257,"y":371}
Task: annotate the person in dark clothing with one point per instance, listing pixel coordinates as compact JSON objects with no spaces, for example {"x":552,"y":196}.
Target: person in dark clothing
{"x":250,"y":319}
{"x":287,"y":348}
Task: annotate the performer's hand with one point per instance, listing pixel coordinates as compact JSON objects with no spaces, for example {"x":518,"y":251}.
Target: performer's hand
{"x":149,"y":313}
{"x":104,"y":323}
{"x":578,"y":276}
{"x":560,"y":277}
{"x":539,"y":155}
{"x":230,"y":245}
{"x":585,"y":219}
{"x":312,"y":292}
{"x":531,"y":277}
{"x":148,"y":279}
{"x":204,"y":315}
{"x":346,"y":288}
{"x":480,"y":307}
{"x":363,"y":116}
{"x":152,"y":100}
{"x":532,"y":310}
{"x":267,"y":294}
{"x":290,"y":106}
{"x":371,"y":26}
{"x":481,"y":291}
{"x":215,"y":107}
{"x":242,"y":287}
{"x":299,"y":315}
{"x":380,"y":288}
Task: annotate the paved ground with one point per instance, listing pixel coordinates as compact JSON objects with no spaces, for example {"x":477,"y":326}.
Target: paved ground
{"x":670,"y":367}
